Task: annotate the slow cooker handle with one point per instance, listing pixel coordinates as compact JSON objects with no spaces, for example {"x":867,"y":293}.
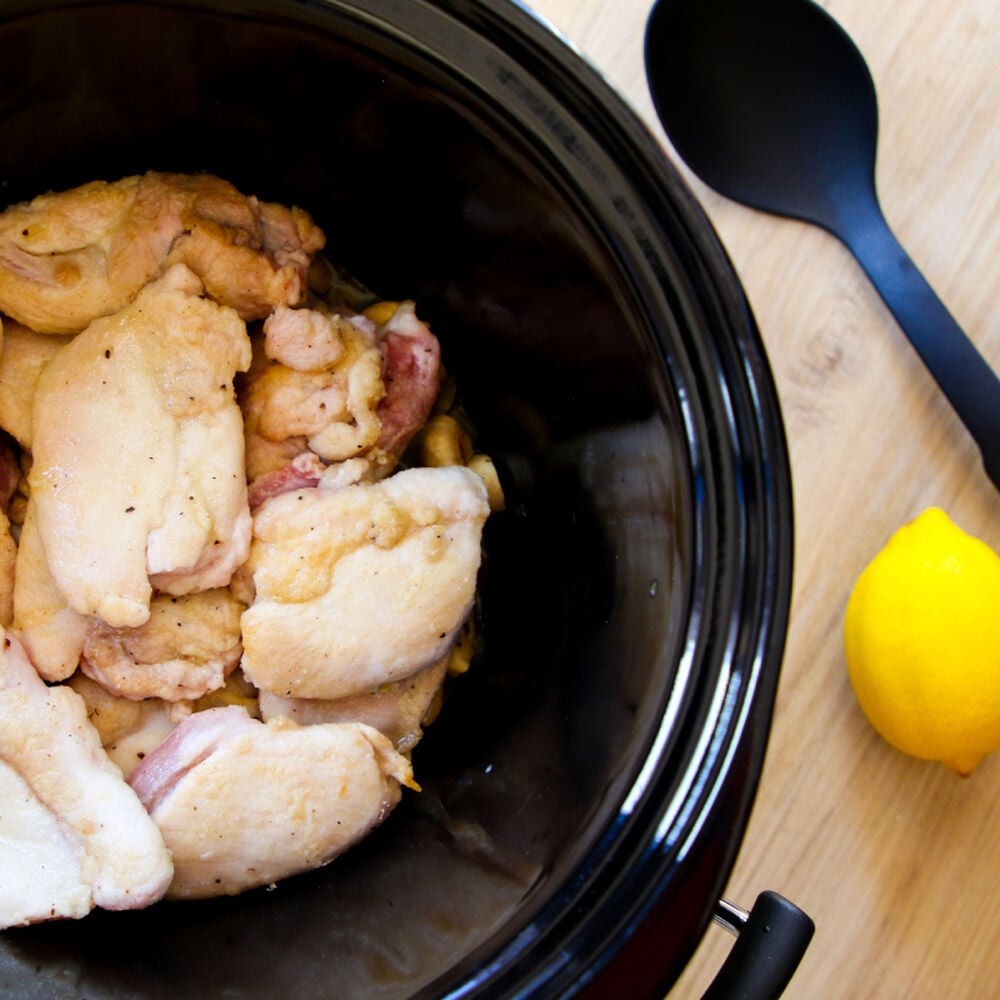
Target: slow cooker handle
{"x":771,"y":940}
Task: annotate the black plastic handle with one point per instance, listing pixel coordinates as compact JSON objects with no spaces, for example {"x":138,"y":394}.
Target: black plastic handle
{"x":961,"y":372}
{"x":767,"y":951}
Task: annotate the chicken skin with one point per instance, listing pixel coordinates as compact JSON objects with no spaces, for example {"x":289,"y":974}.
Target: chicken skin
{"x":327,"y":404}
{"x":397,"y":710}
{"x":242,"y":803}
{"x":67,"y":258}
{"x":8,"y":560}
{"x":24,"y":355}
{"x":138,"y":477}
{"x":10,"y":475}
{"x":186,"y":648}
{"x":363,"y":585}
{"x":128,"y":730}
{"x":73,"y":835}
{"x":50,"y":630}
{"x":337,"y":387}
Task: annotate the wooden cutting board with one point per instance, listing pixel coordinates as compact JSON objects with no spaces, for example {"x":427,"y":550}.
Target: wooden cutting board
{"x":898,"y":861}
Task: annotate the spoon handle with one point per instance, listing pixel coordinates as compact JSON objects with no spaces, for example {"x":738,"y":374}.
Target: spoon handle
{"x":962,"y":373}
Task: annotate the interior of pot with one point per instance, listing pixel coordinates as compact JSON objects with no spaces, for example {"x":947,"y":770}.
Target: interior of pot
{"x":439,"y":172}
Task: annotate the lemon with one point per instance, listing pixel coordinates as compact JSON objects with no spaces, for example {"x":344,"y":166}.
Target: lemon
{"x":922,"y":639}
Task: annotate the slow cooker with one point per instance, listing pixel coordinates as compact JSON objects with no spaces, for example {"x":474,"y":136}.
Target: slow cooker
{"x":587,"y":784}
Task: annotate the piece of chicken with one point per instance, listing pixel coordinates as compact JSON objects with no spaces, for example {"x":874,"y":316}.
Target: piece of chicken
{"x":10,"y":475}
{"x":73,"y":835}
{"x":412,"y":373}
{"x":397,"y":710}
{"x":305,"y":470}
{"x":51,"y":631}
{"x":187,"y":648}
{"x":309,"y":340}
{"x":67,"y":258}
{"x":128,"y":730}
{"x":24,"y":355}
{"x":339,"y":386}
{"x":8,"y":560}
{"x":329,"y":408}
{"x":138,"y":478}
{"x":42,"y":862}
{"x":363,"y":585}
{"x":308,"y":469}
{"x":242,"y":803}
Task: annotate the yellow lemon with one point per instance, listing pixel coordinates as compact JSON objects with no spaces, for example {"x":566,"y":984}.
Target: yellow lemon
{"x":922,"y":638}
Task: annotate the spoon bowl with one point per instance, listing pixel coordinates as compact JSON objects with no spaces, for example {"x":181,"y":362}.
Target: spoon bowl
{"x":793,"y":118}
{"x":773,"y":106}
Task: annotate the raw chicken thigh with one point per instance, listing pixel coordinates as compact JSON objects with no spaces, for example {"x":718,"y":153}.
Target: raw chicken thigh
{"x":24,"y":355}
{"x":185,"y":649}
{"x":70,"y":257}
{"x":330,"y":406}
{"x":73,"y":835}
{"x":242,"y":803}
{"x":363,"y":585}
{"x":138,"y":476}
{"x":50,"y":630}
{"x":337,"y":387}
{"x":399,"y":710}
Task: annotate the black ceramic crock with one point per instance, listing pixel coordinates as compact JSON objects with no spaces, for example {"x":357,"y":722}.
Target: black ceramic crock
{"x":587,"y":784}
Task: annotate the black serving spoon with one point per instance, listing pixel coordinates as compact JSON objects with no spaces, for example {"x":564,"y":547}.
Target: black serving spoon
{"x":772,"y":105}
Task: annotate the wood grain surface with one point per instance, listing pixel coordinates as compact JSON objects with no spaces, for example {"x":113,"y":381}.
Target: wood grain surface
{"x":897,"y":860}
